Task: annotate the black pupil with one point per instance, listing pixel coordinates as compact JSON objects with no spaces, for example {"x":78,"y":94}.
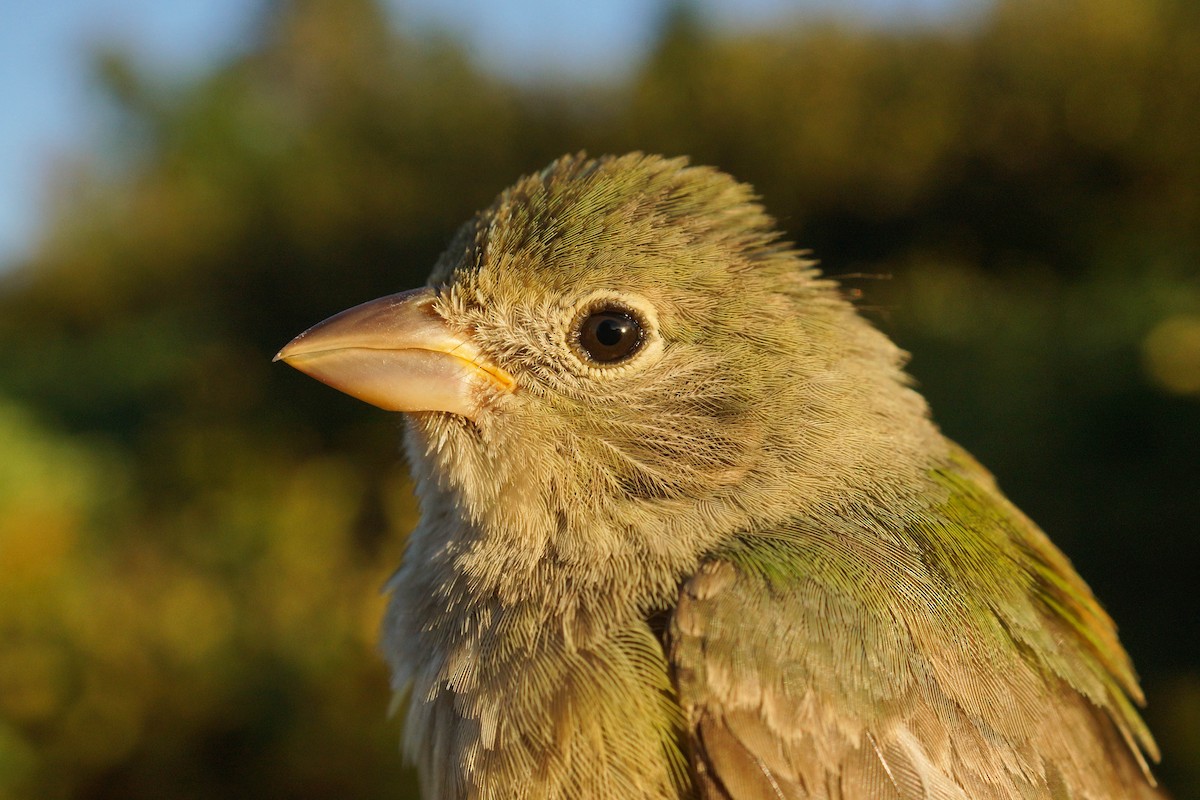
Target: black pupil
{"x":609,"y":335}
{"x":610,"y":331}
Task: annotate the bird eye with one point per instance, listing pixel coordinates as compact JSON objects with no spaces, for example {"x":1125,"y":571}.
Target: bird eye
{"x":609,"y":335}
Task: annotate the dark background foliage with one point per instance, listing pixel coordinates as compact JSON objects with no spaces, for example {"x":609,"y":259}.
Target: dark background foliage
{"x":192,"y":539}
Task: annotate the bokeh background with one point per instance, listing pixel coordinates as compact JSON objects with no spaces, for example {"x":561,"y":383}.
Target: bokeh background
{"x":192,"y":539}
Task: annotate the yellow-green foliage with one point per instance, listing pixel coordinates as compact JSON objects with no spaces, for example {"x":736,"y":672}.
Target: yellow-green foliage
{"x":246,"y":609}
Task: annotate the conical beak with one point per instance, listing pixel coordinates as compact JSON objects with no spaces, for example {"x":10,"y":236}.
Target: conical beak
{"x":398,"y":354}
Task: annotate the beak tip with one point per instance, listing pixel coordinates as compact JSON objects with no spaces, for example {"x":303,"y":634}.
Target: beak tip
{"x":288,"y":350}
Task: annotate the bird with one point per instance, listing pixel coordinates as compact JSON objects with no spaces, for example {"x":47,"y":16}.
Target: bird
{"x":687,"y":528}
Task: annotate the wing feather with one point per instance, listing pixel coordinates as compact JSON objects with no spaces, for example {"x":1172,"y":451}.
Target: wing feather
{"x":828,"y":664}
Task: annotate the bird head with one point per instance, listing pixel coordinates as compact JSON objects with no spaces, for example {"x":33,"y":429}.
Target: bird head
{"x":620,"y":360}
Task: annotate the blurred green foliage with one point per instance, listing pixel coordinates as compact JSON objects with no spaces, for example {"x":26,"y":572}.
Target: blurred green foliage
{"x":192,"y":541}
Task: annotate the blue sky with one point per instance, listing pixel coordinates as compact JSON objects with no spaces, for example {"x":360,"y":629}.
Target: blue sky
{"x":51,"y":111}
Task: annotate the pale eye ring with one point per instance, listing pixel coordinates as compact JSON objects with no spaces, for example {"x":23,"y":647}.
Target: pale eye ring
{"x":609,"y":334}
